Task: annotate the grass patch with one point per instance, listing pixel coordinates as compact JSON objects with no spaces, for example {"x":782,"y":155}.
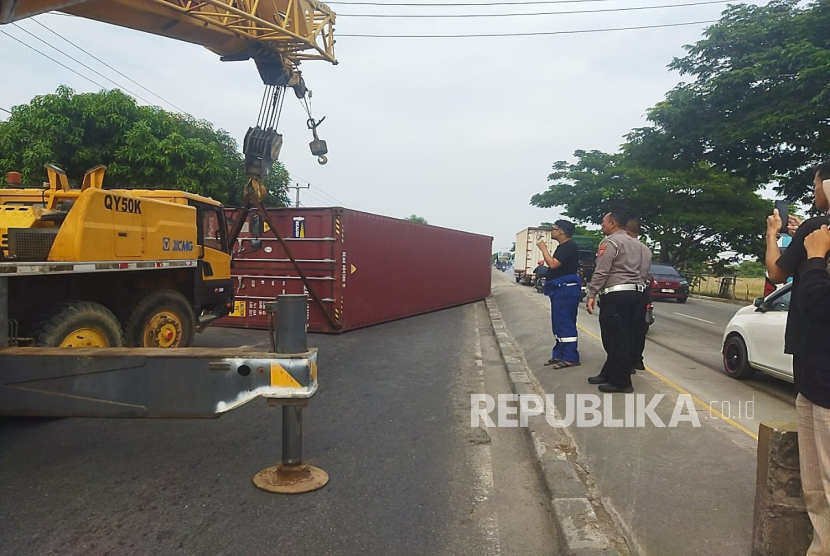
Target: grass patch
{"x":745,"y":289}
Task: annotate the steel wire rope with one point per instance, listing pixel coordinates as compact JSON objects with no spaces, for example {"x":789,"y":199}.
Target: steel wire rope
{"x":529,"y":34}
{"x":109,"y":66}
{"x":98,"y":73}
{"x":519,"y":14}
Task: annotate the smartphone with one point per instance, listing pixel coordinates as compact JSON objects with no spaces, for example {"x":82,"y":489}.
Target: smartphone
{"x":783,"y":209}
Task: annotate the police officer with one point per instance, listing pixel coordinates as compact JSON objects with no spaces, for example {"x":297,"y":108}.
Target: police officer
{"x":564,"y":288}
{"x":632,"y":228}
{"x":618,"y":281}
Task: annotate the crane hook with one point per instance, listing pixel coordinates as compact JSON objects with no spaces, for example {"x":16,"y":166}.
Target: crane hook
{"x":318,"y":146}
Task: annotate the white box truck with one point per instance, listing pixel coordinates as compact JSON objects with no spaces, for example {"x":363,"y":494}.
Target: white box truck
{"x":528,"y":255}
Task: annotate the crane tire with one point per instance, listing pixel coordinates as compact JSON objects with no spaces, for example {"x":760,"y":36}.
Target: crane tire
{"x":158,"y":318}
{"x":77,"y":324}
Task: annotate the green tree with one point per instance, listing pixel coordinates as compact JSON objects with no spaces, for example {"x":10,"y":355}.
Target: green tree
{"x":759,"y":99}
{"x":142,"y":146}
{"x":750,"y":269}
{"x":691,"y":215}
{"x":277,"y":183}
{"x":416,"y":219}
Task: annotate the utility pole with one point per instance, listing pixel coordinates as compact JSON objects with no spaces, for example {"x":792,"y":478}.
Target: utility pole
{"x":298,"y":187}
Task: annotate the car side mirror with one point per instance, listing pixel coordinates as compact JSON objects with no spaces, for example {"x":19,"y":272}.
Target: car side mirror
{"x":760,"y":307}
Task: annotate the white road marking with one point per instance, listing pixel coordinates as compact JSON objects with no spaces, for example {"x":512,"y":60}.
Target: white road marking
{"x":483,"y":465}
{"x":691,"y":317}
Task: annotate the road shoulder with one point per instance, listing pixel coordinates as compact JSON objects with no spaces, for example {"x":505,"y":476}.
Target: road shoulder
{"x":680,"y":491}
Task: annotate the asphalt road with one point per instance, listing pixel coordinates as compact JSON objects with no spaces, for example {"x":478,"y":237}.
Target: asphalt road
{"x":694,"y":330}
{"x":391,"y":425}
{"x":684,"y":346}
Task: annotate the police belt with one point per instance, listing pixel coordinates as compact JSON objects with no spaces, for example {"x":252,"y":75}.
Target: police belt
{"x":623,"y":288}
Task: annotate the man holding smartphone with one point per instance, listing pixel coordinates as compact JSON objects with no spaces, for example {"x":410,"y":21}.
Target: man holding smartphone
{"x":808,"y":328}
{"x":564,"y":288}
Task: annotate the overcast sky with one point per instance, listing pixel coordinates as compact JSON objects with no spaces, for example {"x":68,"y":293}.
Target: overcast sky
{"x":460,"y":131}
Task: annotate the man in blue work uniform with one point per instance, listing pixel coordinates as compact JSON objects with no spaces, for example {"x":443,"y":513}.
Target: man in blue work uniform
{"x":564,"y":288}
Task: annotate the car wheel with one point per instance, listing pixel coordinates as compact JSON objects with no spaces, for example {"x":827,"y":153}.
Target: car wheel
{"x":682,"y":300}
{"x":736,"y":360}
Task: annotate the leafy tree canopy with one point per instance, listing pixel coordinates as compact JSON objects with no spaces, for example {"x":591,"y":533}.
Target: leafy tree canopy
{"x":416,"y":219}
{"x":691,"y":214}
{"x":759,"y":102}
{"x":142,"y":146}
{"x":750,"y":269}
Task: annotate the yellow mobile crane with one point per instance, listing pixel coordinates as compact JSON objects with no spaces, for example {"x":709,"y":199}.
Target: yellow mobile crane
{"x":150,"y":266}
{"x":56,"y":231}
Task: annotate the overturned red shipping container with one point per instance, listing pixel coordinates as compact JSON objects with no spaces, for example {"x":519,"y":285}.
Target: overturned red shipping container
{"x":364,"y":268}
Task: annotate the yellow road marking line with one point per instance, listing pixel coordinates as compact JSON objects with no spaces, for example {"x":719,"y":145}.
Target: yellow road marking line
{"x":682,"y":390}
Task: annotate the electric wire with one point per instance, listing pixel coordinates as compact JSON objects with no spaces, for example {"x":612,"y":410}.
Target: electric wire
{"x":79,"y":62}
{"x":530,"y":34}
{"x":307,"y":191}
{"x":514,"y":14}
{"x":455,"y":4}
{"x":6,"y":111}
{"x":322,"y":201}
{"x":109,"y":66}
{"x":56,"y":61}
{"x":323,"y":197}
{"x":332,"y":198}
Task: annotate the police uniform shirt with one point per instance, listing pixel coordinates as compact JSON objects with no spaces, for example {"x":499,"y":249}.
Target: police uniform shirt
{"x":619,"y":260}
{"x":645,"y":261}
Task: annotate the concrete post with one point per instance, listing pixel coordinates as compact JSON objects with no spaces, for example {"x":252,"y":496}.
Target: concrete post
{"x":781,"y":526}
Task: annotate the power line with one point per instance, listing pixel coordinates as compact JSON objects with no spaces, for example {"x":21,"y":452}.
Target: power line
{"x":322,"y":200}
{"x":109,"y":66}
{"x":407,"y":16}
{"x":574,"y":32}
{"x":333,"y":200}
{"x":325,"y":197}
{"x":6,"y":111}
{"x":56,"y":61}
{"x":79,"y":62}
{"x":450,"y":4}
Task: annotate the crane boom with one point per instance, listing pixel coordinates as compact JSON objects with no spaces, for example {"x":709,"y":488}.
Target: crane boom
{"x":276,"y":34}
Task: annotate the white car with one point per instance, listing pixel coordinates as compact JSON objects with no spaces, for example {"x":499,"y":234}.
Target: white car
{"x":754,"y":338}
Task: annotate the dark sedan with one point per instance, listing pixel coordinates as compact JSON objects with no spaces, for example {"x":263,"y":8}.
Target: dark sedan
{"x":667,"y":283}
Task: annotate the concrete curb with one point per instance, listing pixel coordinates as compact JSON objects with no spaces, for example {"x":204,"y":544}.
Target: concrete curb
{"x":572,"y":507}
